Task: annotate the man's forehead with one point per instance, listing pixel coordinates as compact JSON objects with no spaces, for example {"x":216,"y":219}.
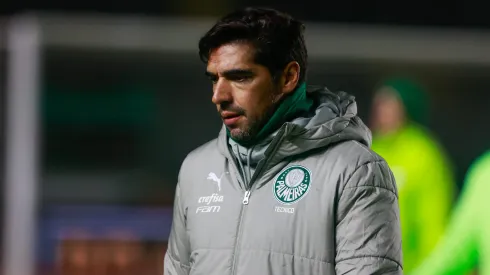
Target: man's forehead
{"x":231,"y":56}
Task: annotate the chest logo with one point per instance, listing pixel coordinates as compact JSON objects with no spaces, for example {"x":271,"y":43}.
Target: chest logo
{"x":292,"y":184}
{"x":217,"y":180}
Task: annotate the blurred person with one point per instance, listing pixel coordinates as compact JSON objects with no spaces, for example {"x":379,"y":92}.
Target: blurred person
{"x":127,"y":253}
{"x":101,"y":257}
{"x":466,"y":242}
{"x":422,"y":171}
{"x":290,"y":185}
{"x":74,"y":253}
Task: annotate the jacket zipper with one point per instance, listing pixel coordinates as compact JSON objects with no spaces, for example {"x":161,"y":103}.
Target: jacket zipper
{"x":245,"y":201}
{"x":246,"y":197}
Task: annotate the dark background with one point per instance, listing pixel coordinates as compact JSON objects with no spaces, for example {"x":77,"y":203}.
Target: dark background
{"x":422,"y":13}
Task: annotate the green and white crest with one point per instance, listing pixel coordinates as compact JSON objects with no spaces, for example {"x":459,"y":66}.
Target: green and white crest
{"x":292,"y":184}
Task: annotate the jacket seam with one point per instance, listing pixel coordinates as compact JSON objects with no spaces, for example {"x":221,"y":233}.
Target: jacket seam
{"x":370,"y":256}
{"x":370,"y":152}
{"x":274,"y":252}
{"x":292,"y":255}
{"x":352,"y":174}
{"x":349,"y":121}
{"x":370,"y":186}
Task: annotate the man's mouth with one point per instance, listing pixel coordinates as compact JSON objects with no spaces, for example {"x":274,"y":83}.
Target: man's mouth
{"x":230,"y":118}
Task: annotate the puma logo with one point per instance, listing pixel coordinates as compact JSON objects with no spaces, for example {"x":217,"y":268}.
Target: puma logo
{"x":212,"y":176}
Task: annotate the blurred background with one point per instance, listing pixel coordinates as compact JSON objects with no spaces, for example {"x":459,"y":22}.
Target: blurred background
{"x":100,"y":102}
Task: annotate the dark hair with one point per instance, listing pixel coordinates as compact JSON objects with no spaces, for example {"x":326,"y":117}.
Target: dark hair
{"x":277,"y":38}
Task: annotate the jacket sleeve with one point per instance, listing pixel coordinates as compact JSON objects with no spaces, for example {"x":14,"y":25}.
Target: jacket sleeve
{"x":368,"y":239}
{"x":176,"y":260}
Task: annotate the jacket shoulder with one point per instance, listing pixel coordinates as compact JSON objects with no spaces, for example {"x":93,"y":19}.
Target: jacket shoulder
{"x":196,"y":160}
{"x":357,"y":165}
{"x":353,"y":154}
{"x":203,"y":151}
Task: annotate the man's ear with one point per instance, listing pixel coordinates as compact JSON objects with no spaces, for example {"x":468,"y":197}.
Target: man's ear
{"x":290,"y":77}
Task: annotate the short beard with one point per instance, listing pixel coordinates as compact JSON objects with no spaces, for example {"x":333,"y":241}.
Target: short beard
{"x":254,"y":127}
{"x":248,"y":134}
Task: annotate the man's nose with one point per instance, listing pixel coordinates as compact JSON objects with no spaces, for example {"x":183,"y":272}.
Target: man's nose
{"x":221,"y":92}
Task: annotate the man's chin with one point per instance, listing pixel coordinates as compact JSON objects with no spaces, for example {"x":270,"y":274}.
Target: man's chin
{"x":238,"y":134}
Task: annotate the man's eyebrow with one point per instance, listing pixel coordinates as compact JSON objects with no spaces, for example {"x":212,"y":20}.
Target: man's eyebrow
{"x":209,"y":74}
{"x":238,"y":72}
{"x":231,"y":73}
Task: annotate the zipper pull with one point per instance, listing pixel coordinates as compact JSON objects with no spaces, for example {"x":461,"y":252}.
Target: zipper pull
{"x":246,"y":197}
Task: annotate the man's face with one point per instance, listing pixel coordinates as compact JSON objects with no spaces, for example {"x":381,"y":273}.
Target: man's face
{"x":388,"y":111}
{"x":243,"y":91}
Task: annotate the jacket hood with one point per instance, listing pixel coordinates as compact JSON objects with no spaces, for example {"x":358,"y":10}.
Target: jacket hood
{"x":332,"y":119}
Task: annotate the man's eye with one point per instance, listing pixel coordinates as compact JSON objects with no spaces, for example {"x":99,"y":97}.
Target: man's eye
{"x":241,"y":78}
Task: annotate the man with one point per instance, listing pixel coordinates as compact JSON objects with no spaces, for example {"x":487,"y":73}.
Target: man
{"x":290,"y":186}
{"x":421,"y":168}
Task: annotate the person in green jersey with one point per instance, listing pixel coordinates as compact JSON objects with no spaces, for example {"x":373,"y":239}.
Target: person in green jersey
{"x":466,"y":243}
{"x":421,"y":168}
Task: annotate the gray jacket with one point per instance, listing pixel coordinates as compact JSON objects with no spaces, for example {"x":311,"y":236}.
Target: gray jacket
{"x":311,"y":199}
